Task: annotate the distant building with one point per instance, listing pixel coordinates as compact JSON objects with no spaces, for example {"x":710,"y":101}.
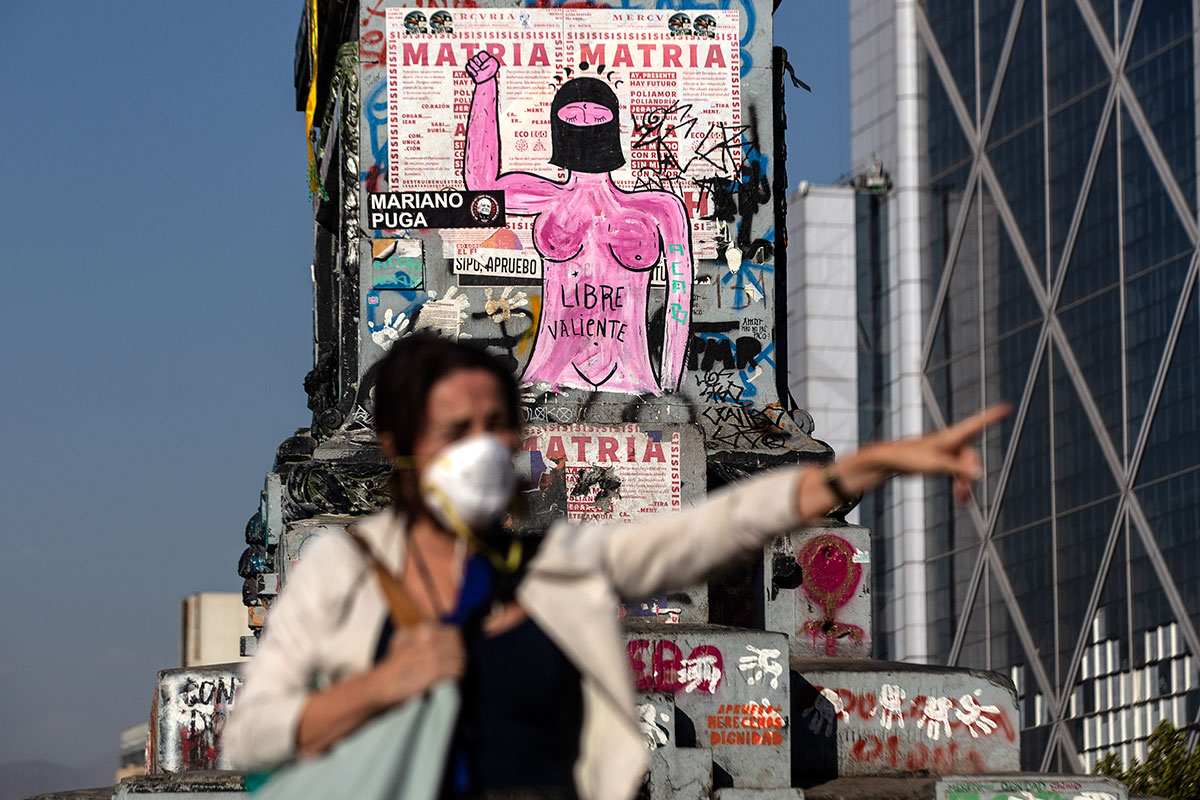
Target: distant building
{"x":133,"y":751}
{"x":822,"y":330}
{"x":211,"y":629}
{"x":1037,"y":242}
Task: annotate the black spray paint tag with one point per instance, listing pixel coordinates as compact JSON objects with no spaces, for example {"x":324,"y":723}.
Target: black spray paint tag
{"x":444,"y":209}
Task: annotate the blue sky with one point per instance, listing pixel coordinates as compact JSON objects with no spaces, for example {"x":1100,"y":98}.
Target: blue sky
{"x":156,"y":325}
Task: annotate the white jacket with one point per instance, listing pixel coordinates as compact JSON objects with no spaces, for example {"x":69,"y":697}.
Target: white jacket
{"x":325,"y":624}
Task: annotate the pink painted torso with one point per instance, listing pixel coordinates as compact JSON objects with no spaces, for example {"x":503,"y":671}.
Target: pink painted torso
{"x":599,"y":245}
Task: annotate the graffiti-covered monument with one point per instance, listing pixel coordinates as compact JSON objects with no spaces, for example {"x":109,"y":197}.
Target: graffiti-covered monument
{"x":587,"y":191}
{"x":594,"y":191}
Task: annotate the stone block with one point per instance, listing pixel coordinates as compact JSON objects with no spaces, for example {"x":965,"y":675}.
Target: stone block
{"x":730,"y":693}
{"x":256,"y":616}
{"x":299,"y":534}
{"x":881,"y":718}
{"x":1025,"y":785}
{"x":273,"y":507}
{"x":267,"y":583}
{"x":680,"y":774}
{"x":248,"y":646}
{"x":759,"y":794}
{"x":818,"y":590}
{"x":188,"y":717}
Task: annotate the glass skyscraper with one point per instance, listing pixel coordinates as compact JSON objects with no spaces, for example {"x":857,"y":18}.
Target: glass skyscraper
{"x":1038,"y":243}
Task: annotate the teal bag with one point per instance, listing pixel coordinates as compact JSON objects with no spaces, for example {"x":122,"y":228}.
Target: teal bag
{"x":399,"y":755}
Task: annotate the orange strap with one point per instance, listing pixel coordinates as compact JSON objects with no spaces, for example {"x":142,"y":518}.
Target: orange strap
{"x":400,"y":603}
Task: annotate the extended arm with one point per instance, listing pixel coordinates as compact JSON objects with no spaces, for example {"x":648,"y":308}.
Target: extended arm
{"x":677,"y":245}
{"x":524,"y":193}
{"x":673,"y":551}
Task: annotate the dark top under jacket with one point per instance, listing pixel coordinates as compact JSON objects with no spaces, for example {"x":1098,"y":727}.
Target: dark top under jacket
{"x":522,"y":705}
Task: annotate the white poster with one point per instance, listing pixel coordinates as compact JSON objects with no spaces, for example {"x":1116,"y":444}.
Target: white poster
{"x":675,"y":76}
{"x":619,"y":472}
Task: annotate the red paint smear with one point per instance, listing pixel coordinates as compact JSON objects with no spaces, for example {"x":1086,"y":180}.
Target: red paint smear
{"x":373,"y":176}
{"x":197,"y":748}
{"x":917,"y":757}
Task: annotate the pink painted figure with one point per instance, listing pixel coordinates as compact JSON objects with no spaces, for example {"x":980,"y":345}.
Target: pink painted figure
{"x":598,"y":243}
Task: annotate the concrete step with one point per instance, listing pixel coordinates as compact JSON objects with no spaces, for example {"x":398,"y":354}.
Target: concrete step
{"x":817,"y":585}
{"x":885,"y":718}
{"x":209,"y":785}
{"x":683,"y":774}
{"x":98,"y":793}
{"x":690,"y":778}
{"x":1014,"y":786}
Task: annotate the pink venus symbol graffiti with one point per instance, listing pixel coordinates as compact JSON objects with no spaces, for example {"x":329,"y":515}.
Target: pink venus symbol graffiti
{"x":831,"y":579}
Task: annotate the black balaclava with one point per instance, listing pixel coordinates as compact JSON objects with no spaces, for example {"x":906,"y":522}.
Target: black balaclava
{"x":586,"y":148}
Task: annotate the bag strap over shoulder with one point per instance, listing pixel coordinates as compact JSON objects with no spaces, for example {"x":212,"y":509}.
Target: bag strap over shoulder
{"x":403,"y":610}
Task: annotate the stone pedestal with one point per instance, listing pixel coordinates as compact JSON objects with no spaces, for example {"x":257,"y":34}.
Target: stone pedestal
{"x":720,"y":690}
{"x":880,"y":718}
{"x":188,"y":718}
{"x":817,"y":590}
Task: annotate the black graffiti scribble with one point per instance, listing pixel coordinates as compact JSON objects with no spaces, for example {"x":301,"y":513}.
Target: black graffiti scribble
{"x":714,"y":350}
{"x":720,"y":385}
{"x":722,"y":147}
{"x":738,"y":196}
{"x":736,"y":185}
{"x":744,"y":426}
{"x":741,"y":196}
{"x":659,"y":130}
{"x":607,"y":483}
{"x":655,"y":127}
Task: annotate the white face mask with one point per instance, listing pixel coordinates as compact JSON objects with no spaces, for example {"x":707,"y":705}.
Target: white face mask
{"x":469,"y":484}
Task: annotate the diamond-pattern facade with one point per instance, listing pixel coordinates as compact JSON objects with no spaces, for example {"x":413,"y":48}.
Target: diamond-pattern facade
{"x":1061,"y":258}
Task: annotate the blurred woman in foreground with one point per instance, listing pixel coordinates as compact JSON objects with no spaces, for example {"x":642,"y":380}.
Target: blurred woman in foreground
{"x":534,"y":642}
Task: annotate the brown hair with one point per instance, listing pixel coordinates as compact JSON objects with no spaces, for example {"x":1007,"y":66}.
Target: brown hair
{"x":404,"y":379}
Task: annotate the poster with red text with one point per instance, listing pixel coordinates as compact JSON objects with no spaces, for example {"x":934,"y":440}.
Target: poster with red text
{"x":675,"y":74}
{"x":617,"y":472}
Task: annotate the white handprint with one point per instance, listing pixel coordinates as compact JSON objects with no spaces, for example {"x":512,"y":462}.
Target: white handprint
{"x":761,"y":664}
{"x":501,"y":308}
{"x":653,"y":731}
{"x":936,"y":717}
{"x":393,"y":328}
{"x":972,"y":715}
{"x":891,"y":701}
{"x":823,"y":717}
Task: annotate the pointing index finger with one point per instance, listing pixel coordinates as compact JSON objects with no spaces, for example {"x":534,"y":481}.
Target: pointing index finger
{"x":972,"y":426}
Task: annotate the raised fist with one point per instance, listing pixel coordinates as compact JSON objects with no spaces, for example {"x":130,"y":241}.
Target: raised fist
{"x":483,"y":66}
